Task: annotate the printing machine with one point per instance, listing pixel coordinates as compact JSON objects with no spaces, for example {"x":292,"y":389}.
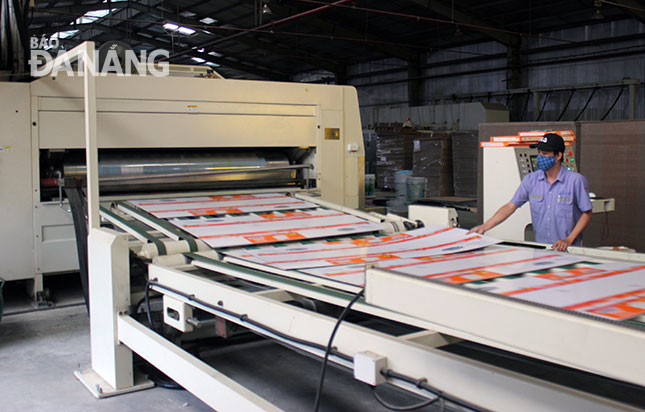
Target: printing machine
{"x":204,"y":285}
{"x":163,"y":126}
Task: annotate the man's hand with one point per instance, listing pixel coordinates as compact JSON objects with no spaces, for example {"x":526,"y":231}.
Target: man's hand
{"x":478,"y":229}
{"x":562,"y":245}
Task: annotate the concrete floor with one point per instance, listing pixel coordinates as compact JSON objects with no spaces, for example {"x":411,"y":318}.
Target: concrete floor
{"x":39,"y":350}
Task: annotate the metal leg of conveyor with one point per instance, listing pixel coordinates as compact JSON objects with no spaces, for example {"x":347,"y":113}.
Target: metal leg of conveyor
{"x":112,"y":372}
{"x":208,"y":384}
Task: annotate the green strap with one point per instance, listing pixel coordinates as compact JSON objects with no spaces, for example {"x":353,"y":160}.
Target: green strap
{"x":163,"y":223}
{"x":270,"y":276}
{"x":138,"y":228}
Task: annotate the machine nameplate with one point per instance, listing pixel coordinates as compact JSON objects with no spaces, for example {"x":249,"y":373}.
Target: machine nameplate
{"x":332,"y":133}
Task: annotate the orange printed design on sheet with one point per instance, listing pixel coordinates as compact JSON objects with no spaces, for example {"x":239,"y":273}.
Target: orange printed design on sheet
{"x":206,"y":212}
{"x":283,"y":215}
{"x":569,"y":273}
{"x":471,"y":276}
{"x":276,"y":237}
{"x":362,"y":259}
{"x":621,"y":306}
{"x":623,"y":310}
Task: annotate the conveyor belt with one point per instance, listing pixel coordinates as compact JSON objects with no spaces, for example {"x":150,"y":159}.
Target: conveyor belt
{"x":226,"y":221}
{"x":418,"y":243}
{"x":614,"y":291}
{"x":220,"y":205}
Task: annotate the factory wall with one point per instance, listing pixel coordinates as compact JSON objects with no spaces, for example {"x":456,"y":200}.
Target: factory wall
{"x":445,"y":80}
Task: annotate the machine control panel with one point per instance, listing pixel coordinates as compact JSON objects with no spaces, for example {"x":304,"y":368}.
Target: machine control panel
{"x":527,"y":160}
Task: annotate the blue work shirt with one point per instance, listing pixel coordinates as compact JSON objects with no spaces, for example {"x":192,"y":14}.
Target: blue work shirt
{"x":555,"y":208}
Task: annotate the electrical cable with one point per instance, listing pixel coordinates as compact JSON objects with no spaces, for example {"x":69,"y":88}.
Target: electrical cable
{"x":526,"y":103}
{"x":586,"y":104}
{"x":543,"y":105}
{"x":147,"y":300}
{"x":423,"y":384}
{"x":614,"y":103}
{"x":243,"y":318}
{"x":573,"y":91}
{"x":412,"y":407}
{"x":329,"y":347}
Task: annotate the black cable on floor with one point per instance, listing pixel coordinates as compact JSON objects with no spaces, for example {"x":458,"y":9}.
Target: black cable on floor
{"x":329,"y":348}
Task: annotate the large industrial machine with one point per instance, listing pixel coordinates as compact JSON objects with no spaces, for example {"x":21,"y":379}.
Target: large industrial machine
{"x":163,"y":134}
{"x":461,"y":320}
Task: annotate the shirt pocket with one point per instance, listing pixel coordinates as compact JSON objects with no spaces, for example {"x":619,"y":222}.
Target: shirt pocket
{"x":564,"y":205}
{"x":536,"y":199}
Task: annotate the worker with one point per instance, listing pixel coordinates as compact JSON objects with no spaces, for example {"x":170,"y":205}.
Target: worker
{"x":559,"y":198}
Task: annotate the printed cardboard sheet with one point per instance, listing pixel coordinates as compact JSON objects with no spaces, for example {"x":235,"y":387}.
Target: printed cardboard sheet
{"x":220,"y":205}
{"x":252,"y":229}
{"x":458,"y":268}
{"x":613,"y":290}
{"x":534,"y":281}
{"x":418,"y":243}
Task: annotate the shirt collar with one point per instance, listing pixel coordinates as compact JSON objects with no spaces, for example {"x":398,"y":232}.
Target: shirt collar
{"x":560,"y":177}
{"x":561,"y":173}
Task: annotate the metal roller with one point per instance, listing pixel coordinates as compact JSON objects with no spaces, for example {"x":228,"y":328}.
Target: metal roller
{"x":158,"y":171}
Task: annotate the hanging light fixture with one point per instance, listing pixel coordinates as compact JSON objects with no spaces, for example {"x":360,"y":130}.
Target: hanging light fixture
{"x":266,"y":10}
{"x":458,"y":32}
{"x":597,"y":15}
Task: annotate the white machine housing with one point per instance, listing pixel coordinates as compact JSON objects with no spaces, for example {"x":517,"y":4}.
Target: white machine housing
{"x":150,"y":112}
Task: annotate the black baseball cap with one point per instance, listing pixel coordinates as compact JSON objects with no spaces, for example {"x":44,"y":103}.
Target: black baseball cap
{"x":550,"y":142}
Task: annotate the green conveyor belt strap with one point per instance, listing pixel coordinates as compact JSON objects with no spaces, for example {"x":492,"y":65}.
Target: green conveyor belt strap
{"x":138,"y":228}
{"x":162,"y":223}
{"x":270,"y":276}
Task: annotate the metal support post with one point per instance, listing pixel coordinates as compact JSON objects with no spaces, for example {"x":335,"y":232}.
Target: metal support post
{"x":112,"y":372}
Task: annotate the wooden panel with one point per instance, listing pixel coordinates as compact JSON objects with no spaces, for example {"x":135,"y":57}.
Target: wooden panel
{"x":611,"y":157}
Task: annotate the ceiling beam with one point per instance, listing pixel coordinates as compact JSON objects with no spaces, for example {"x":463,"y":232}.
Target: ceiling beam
{"x":250,"y":41}
{"x":335,"y":29}
{"x":119,"y":33}
{"x":636,"y":8}
{"x":467,"y":19}
{"x":73,"y":12}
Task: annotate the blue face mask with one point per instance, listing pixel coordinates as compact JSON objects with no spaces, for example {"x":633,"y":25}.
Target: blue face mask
{"x":545,"y":162}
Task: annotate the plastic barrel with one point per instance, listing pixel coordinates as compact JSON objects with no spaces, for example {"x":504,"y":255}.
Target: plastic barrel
{"x":416,"y":188}
{"x":400,"y":184}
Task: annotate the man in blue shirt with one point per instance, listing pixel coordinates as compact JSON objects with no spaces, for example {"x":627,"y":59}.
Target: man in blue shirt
{"x":559,"y":199}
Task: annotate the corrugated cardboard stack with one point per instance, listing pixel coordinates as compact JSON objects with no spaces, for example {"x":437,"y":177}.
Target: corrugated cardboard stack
{"x":432,"y":159}
{"x":465,"y":147}
{"x":393,"y":152}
